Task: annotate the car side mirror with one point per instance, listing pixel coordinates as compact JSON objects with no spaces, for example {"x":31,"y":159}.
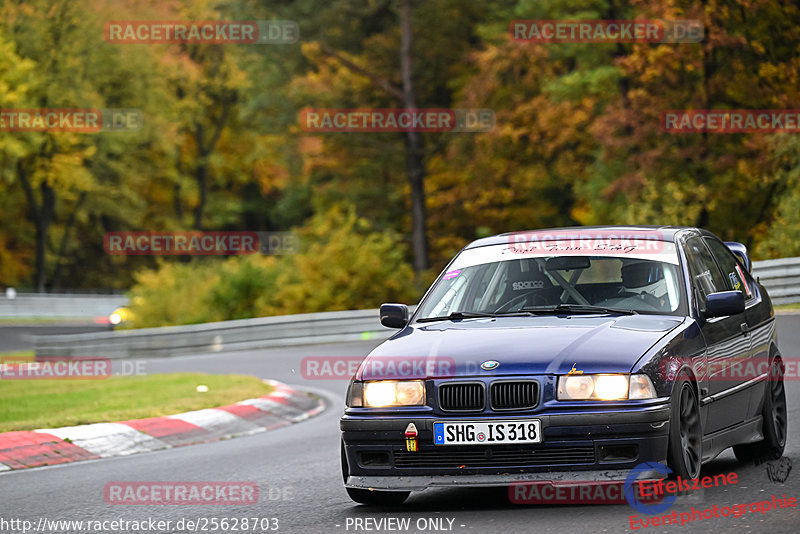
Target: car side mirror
{"x":724,"y":303}
{"x":395,"y":315}
{"x":740,"y":251}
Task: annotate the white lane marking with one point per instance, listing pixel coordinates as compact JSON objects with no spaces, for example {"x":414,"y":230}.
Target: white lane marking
{"x":107,"y":439}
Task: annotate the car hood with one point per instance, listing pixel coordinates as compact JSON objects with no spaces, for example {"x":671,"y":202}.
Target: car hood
{"x":521,"y":345}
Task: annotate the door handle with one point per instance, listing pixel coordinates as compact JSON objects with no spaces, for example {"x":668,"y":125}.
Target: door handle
{"x":744,"y":327}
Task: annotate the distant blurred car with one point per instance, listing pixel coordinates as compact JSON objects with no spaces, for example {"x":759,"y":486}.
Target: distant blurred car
{"x":119,"y":317}
{"x":569,"y":354}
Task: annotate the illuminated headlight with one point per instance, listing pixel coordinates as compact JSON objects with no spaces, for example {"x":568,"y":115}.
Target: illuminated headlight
{"x":119,"y":316}
{"x":382,"y":393}
{"x":610,"y":387}
{"x":605,"y":387}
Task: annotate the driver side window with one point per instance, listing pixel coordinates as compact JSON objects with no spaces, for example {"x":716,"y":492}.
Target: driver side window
{"x":706,"y":276}
{"x":730,"y":266}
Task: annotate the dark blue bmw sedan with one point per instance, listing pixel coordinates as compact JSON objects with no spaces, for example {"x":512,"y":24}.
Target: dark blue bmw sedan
{"x":571,"y":354}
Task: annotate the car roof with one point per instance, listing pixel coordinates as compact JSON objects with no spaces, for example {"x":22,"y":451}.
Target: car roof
{"x":667,"y":233}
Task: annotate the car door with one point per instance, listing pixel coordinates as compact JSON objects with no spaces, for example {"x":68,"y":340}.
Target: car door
{"x":727,"y":341}
{"x":759,"y":323}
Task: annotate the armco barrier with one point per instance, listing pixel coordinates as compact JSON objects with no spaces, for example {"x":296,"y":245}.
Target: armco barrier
{"x":26,"y":305}
{"x":242,"y":334}
{"x":781,"y":278}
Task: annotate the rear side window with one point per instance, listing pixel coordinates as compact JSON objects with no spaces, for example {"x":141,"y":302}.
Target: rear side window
{"x":706,"y":276}
{"x":734,"y":274}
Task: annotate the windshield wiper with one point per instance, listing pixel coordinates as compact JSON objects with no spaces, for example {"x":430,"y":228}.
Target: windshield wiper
{"x":472,"y":315}
{"x":525,"y":312}
{"x":579,"y":308}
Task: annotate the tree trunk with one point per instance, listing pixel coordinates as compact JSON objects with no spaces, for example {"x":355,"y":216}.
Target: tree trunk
{"x":202,"y":186}
{"x":176,"y":187}
{"x":62,"y":248}
{"x":415,"y":166}
{"x":204,"y":151}
{"x":42,"y":215}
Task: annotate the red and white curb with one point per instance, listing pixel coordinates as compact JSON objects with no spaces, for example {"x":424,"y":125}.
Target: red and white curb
{"x":51,"y":446}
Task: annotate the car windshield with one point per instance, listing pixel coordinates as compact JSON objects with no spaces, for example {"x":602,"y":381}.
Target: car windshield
{"x":499,"y":280}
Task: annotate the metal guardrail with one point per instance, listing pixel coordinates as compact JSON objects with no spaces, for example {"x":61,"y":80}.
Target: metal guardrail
{"x":27,"y":305}
{"x":241,"y":334}
{"x":781,"y":278}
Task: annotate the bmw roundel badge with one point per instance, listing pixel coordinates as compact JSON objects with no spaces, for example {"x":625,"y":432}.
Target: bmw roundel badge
{"x":490,"y":365}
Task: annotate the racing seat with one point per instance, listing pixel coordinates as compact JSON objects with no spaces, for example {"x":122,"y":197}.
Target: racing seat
{"x":524,"y":277}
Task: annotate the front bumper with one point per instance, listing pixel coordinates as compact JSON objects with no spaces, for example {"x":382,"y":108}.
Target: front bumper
{"x":598,"y":446}
{"x":420,"y":482}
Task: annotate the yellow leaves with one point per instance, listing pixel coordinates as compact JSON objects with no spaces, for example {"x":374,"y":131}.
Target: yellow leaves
{"x":769,"y":70}
{"x":583,"y":214}
{"x":343,"y":264}
{"x":330,"y":77}
{"x":14,"y":260}
{"x":170,"y":295}
{"x":15,"y":74}
{"x":311,"y":50}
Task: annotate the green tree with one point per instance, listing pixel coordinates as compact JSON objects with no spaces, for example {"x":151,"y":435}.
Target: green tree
{"x":16,"y":76}
{"x":342,"y":264}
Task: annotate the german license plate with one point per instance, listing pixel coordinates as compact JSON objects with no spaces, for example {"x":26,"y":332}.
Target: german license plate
{"x":487,"y":433}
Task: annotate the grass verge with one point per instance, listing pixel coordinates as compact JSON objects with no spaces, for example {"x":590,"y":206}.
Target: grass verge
{"x":32,"y":404}
{"x":18,"y":356}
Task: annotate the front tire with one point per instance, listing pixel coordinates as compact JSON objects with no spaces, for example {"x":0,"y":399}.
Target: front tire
{"x":685,"y":448}
{"x":372,"y":497}
{"x":774,"y":421}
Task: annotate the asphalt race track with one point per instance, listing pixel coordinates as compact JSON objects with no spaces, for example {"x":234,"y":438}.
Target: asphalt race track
{"x":298,"y":475}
